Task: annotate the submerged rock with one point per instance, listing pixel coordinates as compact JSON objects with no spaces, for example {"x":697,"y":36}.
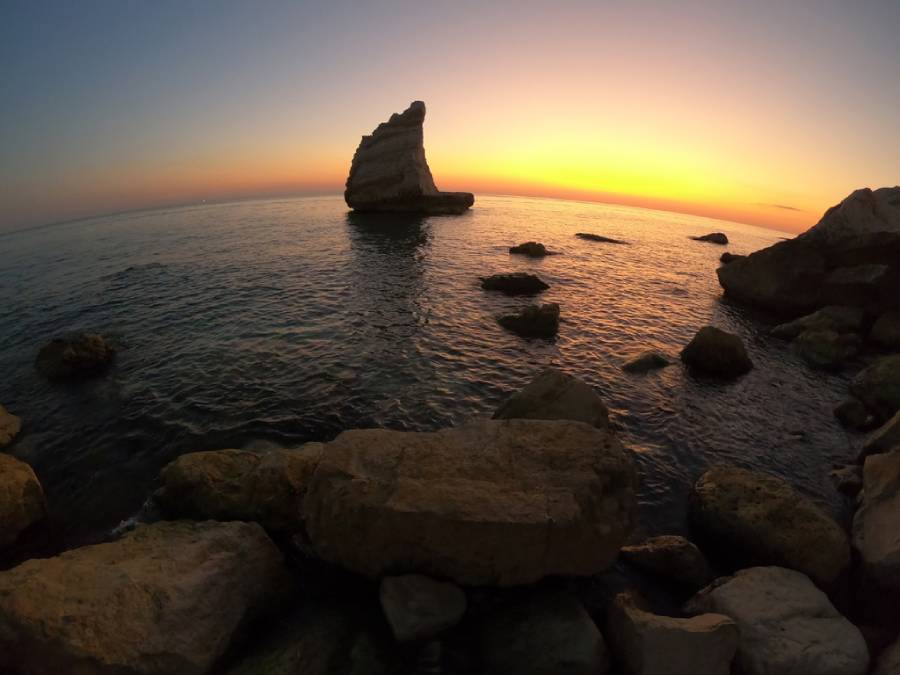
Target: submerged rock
{"x":714,"y":352}
{"x":587,"y":236}
{"x":826,"y":349}
{"x":670,"y":557}
{"x":886,"y":330}
{"x":837,"y":318}
{"x":876,"y":525}
{"x":555,"y":395}
{"x":492,"y":502}
{"x":516,"y":283}
{"x":532,"y":249}
{"x":22,"y":501}
{"x":878,"y":386}
{"x":883,"y":439}
{"x":76,"y":357}
{"x":761,"y":519}
{"x":645,"y":362}
{"x":10,"y":426}
{"x":547,"y":634}
{"x":533,"y":321}
{"x":166,"y":598}
{"x":264,"y":487}
{"x":713,"y":238}
{"x":787,"y":625}
{"x":727,"y":257}
{"x":389,"y":171}
{"x":649,"y":644}
{"x":418,"y":607}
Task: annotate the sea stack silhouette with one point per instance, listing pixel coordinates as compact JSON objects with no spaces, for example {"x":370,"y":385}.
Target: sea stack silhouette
{"x":389,"y":171}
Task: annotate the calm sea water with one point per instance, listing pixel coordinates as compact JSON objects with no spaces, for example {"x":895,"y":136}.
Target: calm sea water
{"x":278,"y":322}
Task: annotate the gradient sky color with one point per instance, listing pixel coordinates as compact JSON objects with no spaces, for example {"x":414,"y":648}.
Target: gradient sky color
{"x":761,"y":112}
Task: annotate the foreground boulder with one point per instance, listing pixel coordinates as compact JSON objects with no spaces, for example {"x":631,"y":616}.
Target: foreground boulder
{"x":547,"y":634}
{"x":10,"y":425}
{"x":787,"y":625}
{"x":883,"y":439}
{"x":76,"y":357}
{"x":649,"y":644}
{"x":761,"y":519}
{"x":670,"y":557}
{"x":491,"y":502}
{"x":166,"y":598}
{"x":713,"y":238}
{"x":533,"y":321}
{"x":836,"y":318}
{"x":267,"y":487}
{"x":876,"y":525}
{"x":22,"y":501}
{"x":645,"y":362}
{"x":516,"y":283}
{"x":418,"y":607}
{"x":532,"y":249}
{"x":714,"y":352}
{"x":555,"y":395}
{"x":389,"y":171}
{"x":886,"y":330}
{"x":878,"y":386}
{"x":826,"y":349}
{"x":850,"y":257}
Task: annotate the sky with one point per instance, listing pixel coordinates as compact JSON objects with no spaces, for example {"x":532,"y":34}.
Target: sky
{"x":760,"y":112}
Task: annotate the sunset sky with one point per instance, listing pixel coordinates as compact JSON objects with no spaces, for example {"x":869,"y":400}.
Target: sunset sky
{"x":760,"y":112}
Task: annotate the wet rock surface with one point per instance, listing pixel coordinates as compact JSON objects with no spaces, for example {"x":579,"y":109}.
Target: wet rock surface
{"x":555,"y":395}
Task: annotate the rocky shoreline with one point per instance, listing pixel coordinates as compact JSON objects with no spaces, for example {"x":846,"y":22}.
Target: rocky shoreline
{"x":503,"y":545}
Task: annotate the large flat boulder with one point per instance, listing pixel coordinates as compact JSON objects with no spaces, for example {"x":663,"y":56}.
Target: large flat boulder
{"x":555,"y":395}
{"x":22,"y":501}
{"x":876,"y":524}
{"x":500,"y":502}
{"x":787,"y":625}
{"x":389,"y":171}
{"x":166,"y":598}
{"x":760,"y":519}
{"x":10,"y":425}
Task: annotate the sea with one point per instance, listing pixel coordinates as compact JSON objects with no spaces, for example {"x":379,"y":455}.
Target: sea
{"x":262,"y":324}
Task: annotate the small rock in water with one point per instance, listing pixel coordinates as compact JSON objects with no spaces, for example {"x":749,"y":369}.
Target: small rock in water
{"x":418,"y":607}
{"x":727,"y":257}
{"x":532,"y":249}
{"x":516,"y":283}
{"x":10,"y":426}
{"x":645,"y":362}
{"x":75,"y":357}
{"x":714,"y":352}
{"x":853,"y":414}
{"x":555,"y":395}
{"x":671,"y":557}
{"x":533,"y":321}
{"x":713,"y":238}
{"x":596,"y":237}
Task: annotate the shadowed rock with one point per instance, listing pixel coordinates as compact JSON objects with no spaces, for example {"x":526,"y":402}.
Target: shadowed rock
{"x":21,"y":499}
{"x":555,"y":395}
{"x":516,"y":283}
{"x":532,"y":249}
{"x":837,"y":318}
{"x":670,"y":557}
{"x":727,"y":257}
{"x":826,"y":349}
{"x":853,"y":414}
{"x":886,"y":330}
{"x":76,"y":357}
{"x":883,"y":439}
{"x":533,"y":321}
{"x":714,"y":352}
{"x":877,"y":522}
{"x":713,"y":238}
{"x":418,"y":607}
{"x":878,"y":386}
{"x":389,"y":171}
{"x":10,"y":425}
{"x":587,"y":236}
{"x":645,"y":362}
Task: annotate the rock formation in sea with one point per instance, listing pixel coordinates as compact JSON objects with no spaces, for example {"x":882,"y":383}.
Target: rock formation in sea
{"x":533,"y":321}
{"x":389,"y":171}
{"x":515,"y":283}
{"x":713,"y":238}
{"x":851,"y":257}
{"x":532,"y":249}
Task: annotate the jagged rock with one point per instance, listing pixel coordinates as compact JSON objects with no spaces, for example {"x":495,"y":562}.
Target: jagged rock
{"x":787,"y":625}
{"x":389,"y":171}
{"x":713,"y":238}
{"x":714,"y":352}
{"x":548,"y":634}
{"x":847,"y":479}
{"x":671,"y":557}
{"x":853,"y":414}
{"x":76,"y":357}
{"x":517,"y":283}
{"x":883,"y":439}
{"x":418,"y":607}
{"x":727,"y":257}
{"x":555,"y":395}
{"x":533,"y":321}
{"x":886,"y":330}
{"x":645,"y":362}
{"x":532,"y":249}
{"x":761,"y":519}
{"x":849,"y":257}
{"x":649,"y":644}
{"x":587,"y":236}
{"x":837,"y":318}
{"x":316,"y":639}
{"x":826,"y":349}
{"x":876,"y":524}
{"x":878,"y":386}
{"x":166,"y":598}
{"x":22,"y":501}
{"x":501,"y":502}
{"x":10,"y":426}
{"x":265,"y":487}
{"x":889,"y":661}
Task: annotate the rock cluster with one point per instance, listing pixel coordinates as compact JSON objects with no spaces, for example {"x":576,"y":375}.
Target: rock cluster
{"x":389,"y":171}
